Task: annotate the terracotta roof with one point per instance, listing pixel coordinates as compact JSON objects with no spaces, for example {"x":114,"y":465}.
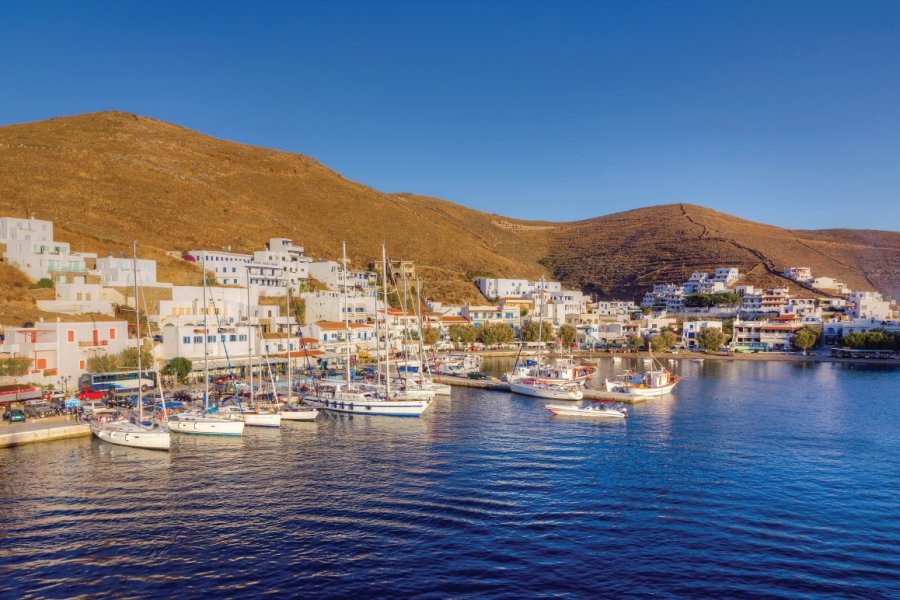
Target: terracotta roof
{"x":331,"y":325}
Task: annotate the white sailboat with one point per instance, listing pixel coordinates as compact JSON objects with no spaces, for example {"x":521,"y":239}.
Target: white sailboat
{"x":293,"y":410}
{"x":203,"y":423}
{"x":348,"y":397}
{"x":126,"y":432}
{"x":540,"y":387}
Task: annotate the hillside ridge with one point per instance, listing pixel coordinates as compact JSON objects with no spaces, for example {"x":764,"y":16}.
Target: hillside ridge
{"x":106,"y":178}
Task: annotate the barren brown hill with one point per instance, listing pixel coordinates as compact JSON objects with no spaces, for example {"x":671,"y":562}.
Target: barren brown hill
{"x":108,"y":178}
{"x":626,"y":253}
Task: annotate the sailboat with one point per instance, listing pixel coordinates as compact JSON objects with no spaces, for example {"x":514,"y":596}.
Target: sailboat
{"x":346,"y":396}
{"x":203,"y":423}
{"x":127,"y":432}
{"x":538,"y":386}
{"x":293,"y":410}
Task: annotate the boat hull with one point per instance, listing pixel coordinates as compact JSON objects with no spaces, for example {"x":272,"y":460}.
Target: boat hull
{"x":589,"y":413}
{"x":644,"y":392}
{"x":262,"y":419}
{"x":207,"y":426}
{"x":133,"y":437}
{"x":546,"y":393}
{"x":383,"y":408}
{"x":299,"y":415}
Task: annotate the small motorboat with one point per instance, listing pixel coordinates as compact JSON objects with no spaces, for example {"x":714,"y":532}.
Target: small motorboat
{"x":298,"y":412}
{"x":593,"y":410}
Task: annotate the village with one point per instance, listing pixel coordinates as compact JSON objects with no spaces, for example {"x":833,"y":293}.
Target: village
{"x":281,"y":305}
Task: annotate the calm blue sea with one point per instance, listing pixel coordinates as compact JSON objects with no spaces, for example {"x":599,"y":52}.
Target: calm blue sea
{"x":755,"y":479}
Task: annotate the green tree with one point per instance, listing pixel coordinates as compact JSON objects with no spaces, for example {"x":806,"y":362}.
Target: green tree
{"x":529,"y":331}
{"x":567,"y":334}
{"x":711,"y":339}
{"x":636,"y":342}
{"x":462,"y":335}
{"x":14,"y":367}
{"x":806,"y":338}
{"x":728,"y":327}
{"x":493,"y":334}
{"x":664,"y":340}
{"x":103,"y":363}
{"x":432,"y":335}
{"x":179,"y":367}
{"x":44,"y":283}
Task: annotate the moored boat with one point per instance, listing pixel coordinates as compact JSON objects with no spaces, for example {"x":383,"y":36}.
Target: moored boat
{"x":593,"y":410}
{"x":537,"y":388}
{"x":657,"y":382}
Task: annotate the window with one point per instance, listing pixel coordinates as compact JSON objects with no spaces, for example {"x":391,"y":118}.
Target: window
{"x":186,"y":340}
{"x":81,"y":365}
{"x":70,"y":335}
{"x":232,"y":338}
{"x":112,"y":333}
{"x":211,"y":338}
{"x":40,"y":364}
{"x":242,"y":337}
{"x":198,"y":339}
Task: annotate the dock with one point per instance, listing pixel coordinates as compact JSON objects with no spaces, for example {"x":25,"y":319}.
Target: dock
{"x":495,"y":385}
{"x":47,"y":430}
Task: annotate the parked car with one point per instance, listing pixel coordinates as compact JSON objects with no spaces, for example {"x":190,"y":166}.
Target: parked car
{"x":91,"y":395}
{"x":95,"y":407}
{"x":479,"y":375}
{"x":40,"y":409}
{"x":16,"y":416}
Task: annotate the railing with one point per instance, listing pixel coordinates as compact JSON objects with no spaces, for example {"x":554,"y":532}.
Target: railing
{"x":93,"y":344}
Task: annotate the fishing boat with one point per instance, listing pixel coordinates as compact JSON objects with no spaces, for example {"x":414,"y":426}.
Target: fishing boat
{"x":591,"y":410}
{"x":658,"y":381}
{"x":459,"y":365}
{"x":135,"y":433}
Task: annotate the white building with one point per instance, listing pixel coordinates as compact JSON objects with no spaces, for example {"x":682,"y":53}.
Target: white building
{"x":60,"y":351}
{"x":726,"y":275}
{"x":283,"y":252}
{"x":801,"y":274}
{"x":43,"y":259}
{"x":230,"y":344}
{"x":331,"y":335}
{"x":868,"y":305}
{"x":691,"y":329}
{"x":495,"y":287}
{"x":119,"y":272}
{"x":329,"y":306}
{"x":331,"y":274}
{"x":229,"y":304}
{"x":79,"y":297}
{"x":830,"y":283}
{"x":25,"y":230}
{"x":833,"y":330}
{"x":229,"y":268}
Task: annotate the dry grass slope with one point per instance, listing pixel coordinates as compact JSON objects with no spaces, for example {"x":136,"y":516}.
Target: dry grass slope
{"x":108,"y":178}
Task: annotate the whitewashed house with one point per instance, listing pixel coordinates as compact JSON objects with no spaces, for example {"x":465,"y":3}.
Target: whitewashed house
{"x":78,"y":297}
{"x":119,"y":272}
{"x":229,"y":268}
{"x":868,"y":305}
{"x":43,"y":259}
{"x":25,"y":230}
{"x":691,"y":329}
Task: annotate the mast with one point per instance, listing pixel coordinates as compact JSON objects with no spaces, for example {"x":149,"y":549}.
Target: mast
{"x":421,"y":346}
{"x":205,"y":342}
{"x":137,"y":333}
{"x":249,"y":342}
{"x":290,"y":366}
{"x":346,"y":315}
{"x":540,"y":326}
{"x":387,"y":331}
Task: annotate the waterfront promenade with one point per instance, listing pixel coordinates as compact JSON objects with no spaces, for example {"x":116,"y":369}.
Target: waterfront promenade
{"x":41,"y":430}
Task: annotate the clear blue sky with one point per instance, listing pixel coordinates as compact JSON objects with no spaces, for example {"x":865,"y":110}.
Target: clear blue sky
{"x":784,"y":112}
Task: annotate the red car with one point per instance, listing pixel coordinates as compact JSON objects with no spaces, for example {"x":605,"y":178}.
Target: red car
{"x":84,"y":395}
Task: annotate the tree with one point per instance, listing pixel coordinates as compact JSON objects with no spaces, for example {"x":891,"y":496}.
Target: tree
{"x":711,"y":339}
{"x":44,"y":283}
{"x":179,"y":367}
{"x":493,"y":334}
{"x":103,"y":363}
{"x":432,"y":335}
{"x":529,"y":331}
{"x":635,"y":342}
{"x":663,"y":341}
{"x":126,"y":359}
{"x":14,"y":367}
{"x":806,"y":338}
{"x":567,"y":334}
{"x":462,"y":335}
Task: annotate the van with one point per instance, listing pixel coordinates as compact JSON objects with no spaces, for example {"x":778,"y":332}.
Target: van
{"x":94,"y":407}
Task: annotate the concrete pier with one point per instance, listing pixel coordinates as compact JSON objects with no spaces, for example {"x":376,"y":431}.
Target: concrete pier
{"x":501,"y":386}
{"x":44,"y":430}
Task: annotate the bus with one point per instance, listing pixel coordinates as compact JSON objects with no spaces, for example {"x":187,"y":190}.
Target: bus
{"x":118,"y":380}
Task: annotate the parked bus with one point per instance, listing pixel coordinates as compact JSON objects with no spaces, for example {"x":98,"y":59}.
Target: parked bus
{"x":119,"y":380}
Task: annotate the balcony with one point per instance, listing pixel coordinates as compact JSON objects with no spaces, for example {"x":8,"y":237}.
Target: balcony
{"x":93,"y":344}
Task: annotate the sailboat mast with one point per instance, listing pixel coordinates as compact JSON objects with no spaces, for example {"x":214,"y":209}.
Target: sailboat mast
{"x":205,"y":341}
{"x":290,"y":366}
{"x":346,"y":315}
{"x":137,"y":331}
{"x":540,"y":325}
{"x":387,"y":331}
{"x":249,"y":341}
{"x":421,"y":334}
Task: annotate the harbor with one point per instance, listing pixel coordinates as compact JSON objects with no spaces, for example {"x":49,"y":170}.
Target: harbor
{"x":495,"y":385}
{"x":44,"y":430}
